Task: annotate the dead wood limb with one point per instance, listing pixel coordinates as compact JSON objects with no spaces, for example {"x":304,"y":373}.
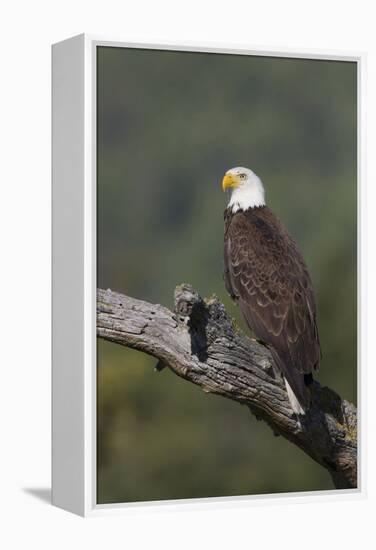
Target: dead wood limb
{"x":198,"y":342}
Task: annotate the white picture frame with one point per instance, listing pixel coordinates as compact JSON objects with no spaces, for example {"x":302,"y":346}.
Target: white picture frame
{"x":74,"y":277}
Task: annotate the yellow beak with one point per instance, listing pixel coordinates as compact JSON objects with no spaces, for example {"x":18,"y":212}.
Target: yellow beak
{"x":230,"y":180}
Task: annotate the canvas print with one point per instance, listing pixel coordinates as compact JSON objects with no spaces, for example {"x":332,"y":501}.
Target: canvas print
{"x":227,"y":275}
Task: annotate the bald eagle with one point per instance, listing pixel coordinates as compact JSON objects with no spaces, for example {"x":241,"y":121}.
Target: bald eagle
{"x":265,"y":274}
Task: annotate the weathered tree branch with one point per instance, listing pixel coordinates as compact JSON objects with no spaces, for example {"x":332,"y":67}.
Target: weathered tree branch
{"x":199,"y":342}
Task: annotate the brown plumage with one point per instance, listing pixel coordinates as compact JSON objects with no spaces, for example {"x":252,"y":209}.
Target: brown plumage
{"x":266,"y":275}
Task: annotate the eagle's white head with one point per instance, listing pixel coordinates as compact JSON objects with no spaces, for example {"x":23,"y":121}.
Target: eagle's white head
{"x":247,"y":189}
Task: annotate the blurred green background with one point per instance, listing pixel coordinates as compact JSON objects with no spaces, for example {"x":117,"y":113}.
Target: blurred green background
{"x":169,"y":125}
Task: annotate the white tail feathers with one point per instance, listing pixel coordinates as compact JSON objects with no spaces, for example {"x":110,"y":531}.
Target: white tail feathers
{"x":296,"y":406}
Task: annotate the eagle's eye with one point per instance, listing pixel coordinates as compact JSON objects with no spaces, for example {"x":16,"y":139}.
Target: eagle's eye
{"x":242,"y":176}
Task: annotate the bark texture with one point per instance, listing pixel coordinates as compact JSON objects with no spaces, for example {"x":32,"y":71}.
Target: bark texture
{"x":199,"y":342}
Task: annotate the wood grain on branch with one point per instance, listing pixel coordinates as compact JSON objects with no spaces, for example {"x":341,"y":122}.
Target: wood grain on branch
{"x":198,"y":341}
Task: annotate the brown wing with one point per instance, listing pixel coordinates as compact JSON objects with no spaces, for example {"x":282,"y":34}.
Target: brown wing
{"x":266,"y":274}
